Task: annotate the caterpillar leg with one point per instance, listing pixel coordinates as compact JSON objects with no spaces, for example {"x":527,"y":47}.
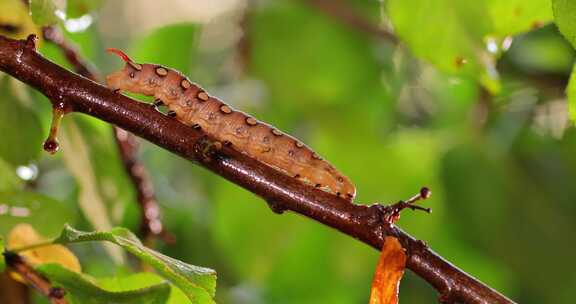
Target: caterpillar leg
{"x":208,"y":149}
{"x":157,"y":103}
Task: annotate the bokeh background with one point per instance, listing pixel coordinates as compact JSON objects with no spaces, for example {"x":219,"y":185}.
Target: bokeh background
{"x":498,"y":154}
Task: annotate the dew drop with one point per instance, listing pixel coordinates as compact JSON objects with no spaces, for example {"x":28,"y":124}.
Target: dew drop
{"x":51,"y":143}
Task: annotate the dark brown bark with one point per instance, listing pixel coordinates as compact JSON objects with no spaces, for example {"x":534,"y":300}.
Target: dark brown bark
{"x":365,"y":223}
{"x":18,"y":264}
{"x":13,"y":292}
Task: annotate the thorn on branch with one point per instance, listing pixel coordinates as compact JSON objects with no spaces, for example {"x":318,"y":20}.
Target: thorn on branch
{"x":275,"y":206}
{"x":57,"y":293}
{"x":31,"y":42}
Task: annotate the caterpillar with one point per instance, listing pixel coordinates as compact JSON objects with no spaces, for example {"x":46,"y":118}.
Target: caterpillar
{"x":193,"y":106}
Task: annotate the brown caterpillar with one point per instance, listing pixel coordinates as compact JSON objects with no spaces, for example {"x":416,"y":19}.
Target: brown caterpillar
{"x":192,"y":106}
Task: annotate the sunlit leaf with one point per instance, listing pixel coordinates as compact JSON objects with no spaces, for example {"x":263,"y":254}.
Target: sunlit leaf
{"x":198,"y":283}
{"x":43,"y":12}
{"x":140,"y":280}
{"x":2,"y":261}
{"x":9,"y":181}
{"x":24,"y":235}
{"x":15,"y":22}
{"x":571,"y":92}
{"x":511,"y":17}
{"x":469,"y":36}
{"x":20,"y":127}
{"x":456,"y":46}
{"x":43,"y":213}
{"x":77,"y":8}
{"x":389,"y":272}
{"x":564,"y":12}
{"x":83,"y":289}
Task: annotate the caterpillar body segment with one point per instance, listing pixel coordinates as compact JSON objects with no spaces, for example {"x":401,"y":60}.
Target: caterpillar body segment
{"x":193,"y":106}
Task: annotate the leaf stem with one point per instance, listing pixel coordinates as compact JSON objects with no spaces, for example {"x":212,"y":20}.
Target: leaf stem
{"x":33,"y":246}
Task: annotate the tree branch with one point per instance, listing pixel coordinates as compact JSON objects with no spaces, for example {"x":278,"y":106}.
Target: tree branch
{"x":365,"y":223}
{"x":150,"y":222}
{"x":17,"y":264}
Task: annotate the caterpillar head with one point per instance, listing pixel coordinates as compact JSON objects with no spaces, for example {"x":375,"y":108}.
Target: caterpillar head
{"x":131,"y":78}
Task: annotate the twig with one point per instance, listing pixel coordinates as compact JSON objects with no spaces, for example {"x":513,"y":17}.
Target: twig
{"x":150,"y":224}
{"x":17,"y":264}
{"x":53,"y":35}
{"x":393,"y":211}
{"x":365,"y":223}
{"x":342,"y":12}
{"x":13,"y":292}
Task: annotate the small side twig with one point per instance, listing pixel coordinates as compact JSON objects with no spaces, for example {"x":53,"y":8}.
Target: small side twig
{"x":81,"y":66}
{"x":392,"y":212}
{"x":342,"y":12}
{"x":151,"y":224}
{"x":18,"y":264}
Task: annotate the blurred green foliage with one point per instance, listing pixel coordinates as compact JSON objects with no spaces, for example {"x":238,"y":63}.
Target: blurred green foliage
{"x":471,"y":103}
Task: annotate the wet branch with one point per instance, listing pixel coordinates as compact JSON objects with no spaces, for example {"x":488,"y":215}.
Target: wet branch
{"x":150,"y":223}
{"x":283,"y":193}
{"x":18,"y":264}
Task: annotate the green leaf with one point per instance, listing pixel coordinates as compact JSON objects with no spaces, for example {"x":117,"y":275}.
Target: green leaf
{"x":140,"y":280}
{"x":462,"y":37}
{"x":9,"y":181}
{"x":182,"y":39}
{"x":571,"y":92}
{"x":43,"y":12}
{"x":198,"y":283}
{"x":83,"y":289}
{"x":76,"y":156}
{"x":43,"y":213}
{"x":516,"y":16}
{"x":15,"y":19}
{"x":326,"y":64}
{"x":564,"y":12}
{"x":2,"y":261}
{"x":20,"y":127}
{"x":440,"y":32}
{"x":78,"y":8}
